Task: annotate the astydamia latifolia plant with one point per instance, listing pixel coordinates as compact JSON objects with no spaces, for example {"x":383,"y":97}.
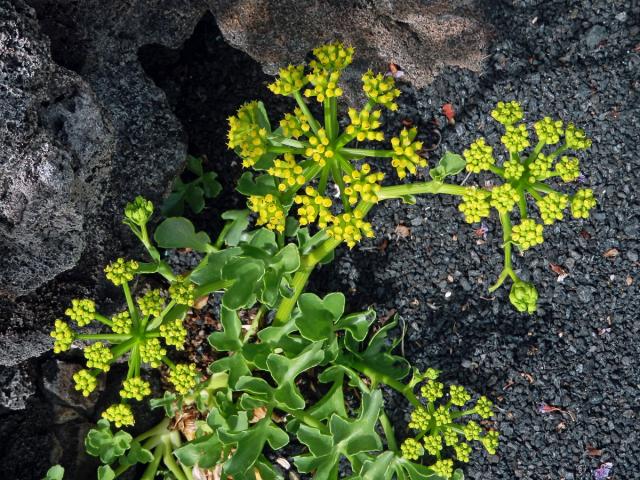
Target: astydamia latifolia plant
{"x":296,"y":162}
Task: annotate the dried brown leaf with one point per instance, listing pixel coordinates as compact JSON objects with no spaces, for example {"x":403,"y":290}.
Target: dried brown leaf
{"x":611,"y":253}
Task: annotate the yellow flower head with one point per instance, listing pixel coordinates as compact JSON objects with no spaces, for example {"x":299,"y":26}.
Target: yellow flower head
{"x":504,"y":198}
{"x":139,"y":211}
{"x":475,"y":204}
{"x":85,"y":382}
{"x":121,"y":323}
{"x":516,"y":138}
{"x":364,"y":124}
{"x":246,"y":135}
{"x":325,"y":85}
{"x":381,"y":89}
{"x":121,"y":271}
{"x":513,"y":169}
{"x":576,"y":138}
{"x":98,"y":356}
{"x":411,"y":449}
{"x":568,"y":168}
{"x":364,"y":184}
{"x":174,"y":333}
{"x":333,"y":56}
{"x":135,"y":387}
{"x":183,"y":291}
{"x":151,"y":303}
{"x":444,"y":468}
{"x":184,"y":377}
{"x":81,"y":311}
{"x":405,"y":153}
{"x":294,"y":124}
{"x":508,"y":113}
{"x":551,"y":207}
{"x":270,"y":212}
{"x":420,"y":419}
{"x":288,"y":170}
{"x":479,"y":156}
{"x":539,"y":168}
{"x":320,"y":150}
{"x":549,"y":131}
{"x":527,"y":234}
{"x":290,"y":80}
{"x":119,"y":414}
{"x":63,"y":336}
{"x":350,"y":228}
{"x":313,"y":206}
{"x":151,"y":352}
{"x":582,"y":203}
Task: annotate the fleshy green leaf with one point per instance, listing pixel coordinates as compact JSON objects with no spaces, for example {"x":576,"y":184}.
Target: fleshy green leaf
{"x":450,"y":164}
{"x":55,"y":473}
{"x":178,"y":232}
{"x":229,"y":340}
{"x":194,"y":196}
{"x":105,"y":472}
{"x":237,"y":221}
{"x":210,"y":185}
{"x":204,"y":452}
{"x":261,"y":186}
{"x":247,"y":273}
{"x":100,"y":442}
{"x":210,"y":269}
{"x":317,"y":315}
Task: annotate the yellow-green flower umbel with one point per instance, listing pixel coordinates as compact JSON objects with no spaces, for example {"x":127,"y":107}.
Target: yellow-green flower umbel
{"x":475,"y":204}
{"x":539,"y":168}
{"x":568,"y":168}
{"x":433,"y":444}
{"x":320,"y":150}
{"x":120,"y":415}
{"x":411,"y":449}
{"x":516,"y":138}
{"x":295,"y":124}
{"x":381,"y":89}
{"x":290,"y":80}
{"x":479,"y":156}
{"x":121,"y":271}
{"x":483,"y":407}
{"x":85,"y":382}
{"x":151,"y":352}
{"x":289,"y":171}
{"x":246,"y":135}
{"x":363,"y":184}
{"x":139,"y":211}
{"x":350,"y":228}
{"x":549,"y":131}
{"x":174,"y":333}
{"x":325,"y":85}
{"x":444,"y":468}
{"x":527,"y":234}
{"x":582,"y":203}
{"x":332,"y":56}
{"x":405,"y":157}
{"x":183,"y":292}
{"x":507,"y":113}
{"x":504,"y":198}
{"x":420,"y":419}
{"x":432,"y":390}
{"x":63,"y":336}
{"x":524,"y":297}
{"x":98,"y":356}
{"x":551,"y":207}
{"x":81,"y":311}
{"x":459,"y":395}
{"x":121,"y":323}
{"x":313,"y":206}
{"x":151,"y":303}
{"x":135,"y":387}
{"x":575,"y":138}
{"x":269,"y":210}
{"x":184,"y":377}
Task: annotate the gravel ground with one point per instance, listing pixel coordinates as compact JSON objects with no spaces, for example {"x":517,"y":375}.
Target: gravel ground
{"x":580,"y":61}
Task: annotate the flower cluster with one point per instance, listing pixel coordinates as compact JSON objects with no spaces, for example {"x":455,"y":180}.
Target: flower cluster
{"x":183,"y":292}
{"x":504,"y":197}
{"x":121,"y":271}
{"x":539,"y":168}
{"x":524,"y":296}
{"x":364,"y":124}
{"x":290,"y":80}
{"x":582,"y":202}
{"x":549,"y":131}
{"x":527,"y":234}
{"x":151,"y":352}
{"x":121,"y":323}
{"x":551,"y":207}
{"x":507,"y":113}
{"x":350,"y":228}
{"x":320,"y":151}
{"x":325,"y":85}
{"x":270,"y":212}
{"x":120,"y":415}
{"x":63,"y":336}
{"x":381,"y":89}
{"x":475,"y":204}
{"x":479,"y":156}
{"x":139,"y":211}
{"x":513,"y":169}
{"x":246,"y":136}
{"x":439,"y":426}
{"x":151,"y":303}
{"x":576,"y":138}
{"x":516,"y":138}
{"x":174,"y":333}
{"x":289,"y":171}
{"x":295,"y":124}
{"x":98,"y":356}
{"x":184,"y":377}
{"x":405,"y":153}
{"x":568,"y":168}
{"x":135,"y":387}
{"x":333,"y":56}
{"x":364,"y":184}
{"x":313,"y":206}
{"x":85,"y":382}
{"x":81,"y":311}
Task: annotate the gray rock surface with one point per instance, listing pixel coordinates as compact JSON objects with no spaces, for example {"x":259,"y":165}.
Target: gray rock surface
{"x":85,"y":131}
{"x":421,"y":37}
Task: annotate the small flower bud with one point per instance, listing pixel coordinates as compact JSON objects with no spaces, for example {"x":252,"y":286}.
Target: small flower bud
{"x":63,"y":336}
{"x":98,"y":356}
{"x":139,"y":211}
{"x":405,"y":157}
{"x":81,"y":311}
{"x":119,"y":414}
{"x":135,"y":387}
{"x":524,"y":297}
{"x":528,"y":234}
{"x":121,"y":271}
{"x":479,"y":156}
{"x":184,"y":377}
{"x":85,"y":382}
{"x":507,"y":113}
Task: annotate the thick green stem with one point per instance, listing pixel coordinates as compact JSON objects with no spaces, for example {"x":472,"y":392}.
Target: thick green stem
{"x":337,"y":177}
{"x":324,"y":178}
{"x":133,"y":311}
{"x":307,"y":113}
{"x":107,"y":337}
{"x":522,"y":203}
{"x":363,"y":152}
{"x":379,"y":377}
{"x":328,"y":119}
{"x":286,"y":149}
{"x":102,"y":319}
{"x":507,"y":270}
{"x":255,"y":323}
{"x":389,"y":433}
{"x":152,"y":468}
{"x":398,"y":191}
{"x":169,"y":461}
